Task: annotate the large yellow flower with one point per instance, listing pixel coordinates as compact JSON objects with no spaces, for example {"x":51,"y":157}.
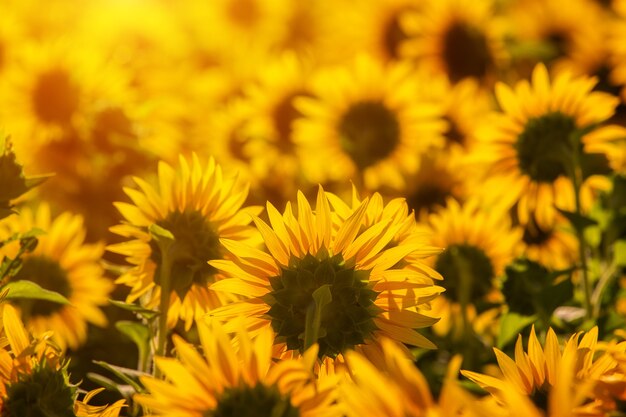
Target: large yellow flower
{"x":34,"y":379}
{"x":535,"y":372}
{"x":528,"y":147}
{"x":64,"y":263}
{"x":478,"y":244}
{"x":199,"y":207}
{"x":241,"y":381}
{"x":341,"y":277}
{"x":366,"y":123}
{"x":400,"y":389}
{"x":458,"y":38}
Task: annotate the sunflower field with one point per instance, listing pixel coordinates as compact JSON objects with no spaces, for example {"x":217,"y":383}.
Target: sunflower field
{"x":302,"y":208}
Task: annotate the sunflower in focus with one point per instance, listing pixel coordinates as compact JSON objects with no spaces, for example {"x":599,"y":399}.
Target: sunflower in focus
{"x":341,"y":277}
{"x":34,"y":378}
{"x":458,"y":38}
{"x":244,"y":381}
{"x":367,"y":120}
{"x":64,"y":263}
{"x":535,"y":372}
{"x":479,"y":244}
{"x":198,"y":206}
{"x":400,"y":389}
{"x":529,"y":146}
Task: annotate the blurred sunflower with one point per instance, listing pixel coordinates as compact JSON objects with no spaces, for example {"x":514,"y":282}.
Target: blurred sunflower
{"x":618,"y":46}
{"x":369,"y":122}
{"x":458,"y":38}
{"x":269,"y":126}
{"x":439,"y":177}
{"x":64,"y":263}
{"x":198,"y":206}
{"x":400,"y":389}
{"x":569,"y":38}
{"x":385,"y":31}
{"x":554,"y":246}
{"x":339,"y":277}
{"x":242,"y":381}
{"x":479,"y":244}
{"x":535,"y":372}
{"x":34,"y":379}
{"x":48,"y":88}
{"x":529,"y":147}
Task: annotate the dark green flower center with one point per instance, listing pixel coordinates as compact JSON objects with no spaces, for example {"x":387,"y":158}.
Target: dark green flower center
{"x":345,"y":319}
{"x":429,"y":196}
{"x":196,"y":243}
{"x":369,"y":132}
{"x":466,"y":52}
{"x":257,"y":401}
{"x":454,"y":135}
{"x":560,"y":41}
{"x":534,"y":234}
{"x":539,"y":397}
{"x":55,"y":97}
{"x":544,"y":147}
{"x":284,"y":115}
{"x":467,"y":273}
{"x":43,"y":393}
{"x":49,"y":275}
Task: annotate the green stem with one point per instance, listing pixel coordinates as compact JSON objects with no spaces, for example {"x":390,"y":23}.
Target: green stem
{"x":582,"y":244}
{"x":164,"y":304}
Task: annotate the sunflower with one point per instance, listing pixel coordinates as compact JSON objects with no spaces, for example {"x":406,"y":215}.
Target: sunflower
{"x":554,"y":246}
{"x":400,"y":389}
{"x":34,"y":379}
{"x":49,"y":86}
{"x":528,"y":147}
{"x":383,"y":19}
{"x":479,"y":244}
{"x":369,"y":122}
{"x":269,"y":125}
{"x":618,"y":47}
{"x":341,"y":277}
{"x":224,"y":381}
{"x":64,"y":263}
{"x":535,"y":372}
{"x":198,"y":206}
{"x":573,"y":37}
{"x":458,"y":38}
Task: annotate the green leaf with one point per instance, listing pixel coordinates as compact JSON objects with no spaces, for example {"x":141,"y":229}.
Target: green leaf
{"x":140,"y":335}
{"x":160,"y":233}
{"x":129,"y":376}
{"x":579,"y":221}
{"x":126,"y":391}
{"x":144,"y":312}
{"x":619,"y":253}
{"x":511,"y":324}
{"x":321,"y":298}
{"x":31,"y":290}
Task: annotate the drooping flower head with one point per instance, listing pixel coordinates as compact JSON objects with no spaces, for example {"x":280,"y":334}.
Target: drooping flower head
{"x":236,"y":380}
{"x":340,"y":275}
{"x":64,"y":263}
{"x":198,"y":206}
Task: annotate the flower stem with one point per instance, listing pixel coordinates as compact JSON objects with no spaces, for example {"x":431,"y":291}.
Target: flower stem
{"x":582,"y":244}
{"x":164,"y":305}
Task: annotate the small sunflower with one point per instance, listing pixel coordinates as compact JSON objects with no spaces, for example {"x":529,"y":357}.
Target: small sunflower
{"x":340,"y":277}
{"x":573,"y":37}
{"x":555,"y":246}
{"x":47,"y":88}
{"x":199,"y":207}
{"x":34,"y":378}
{"x":528,"y":147}
{"x":64,"y":263}
{"x":225,"y":381}
{"x":479,"y":244}
{"x":535,"y":372}
{"x":367,"y":120}
{"x":458,"y":38}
